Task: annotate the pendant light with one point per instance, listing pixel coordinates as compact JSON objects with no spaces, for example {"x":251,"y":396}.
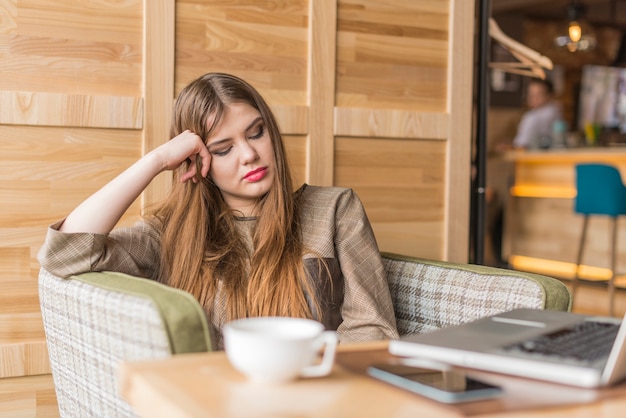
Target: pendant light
{"x":578,"y":34}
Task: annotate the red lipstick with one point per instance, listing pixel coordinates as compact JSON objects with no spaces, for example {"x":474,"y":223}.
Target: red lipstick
{"x":256,"y":175}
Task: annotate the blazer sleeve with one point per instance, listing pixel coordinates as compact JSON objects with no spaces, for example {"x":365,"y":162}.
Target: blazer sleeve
{"x":131,"y":250}
{"x":367,"y":309}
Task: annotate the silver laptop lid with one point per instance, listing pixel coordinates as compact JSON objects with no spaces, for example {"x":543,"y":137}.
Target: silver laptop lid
{"x":615,"y":367}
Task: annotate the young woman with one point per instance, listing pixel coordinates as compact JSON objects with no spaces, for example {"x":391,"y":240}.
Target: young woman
{"x":232,"y":231}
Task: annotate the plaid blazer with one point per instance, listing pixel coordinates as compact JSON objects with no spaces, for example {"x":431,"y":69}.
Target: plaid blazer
{"x":355,"y":298}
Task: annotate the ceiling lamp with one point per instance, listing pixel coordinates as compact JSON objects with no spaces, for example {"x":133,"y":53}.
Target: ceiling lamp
{"x":578,"y":36}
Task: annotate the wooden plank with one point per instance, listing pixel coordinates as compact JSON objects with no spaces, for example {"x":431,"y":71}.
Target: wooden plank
{"x":18,"y":297}
{"x":76,"y":47}
{"x":24,"y":359}
{"x":18,"y":327}
{"x":265,"y":43}
{"x":392,"y":55}
{"x":394,"y":16}
{"x":159,"y":35}
{"x":8,"y":17}
{"x":401,"y":184}
{"x":321,"y":87}
{"x":419,"y":238}
{"x":383,"y":123}
{"x":460,"y":105}
{"x":292,"y":119}
{"x":295,"y":148}
{"x":29,"y":396}
{"x":56,"y":109}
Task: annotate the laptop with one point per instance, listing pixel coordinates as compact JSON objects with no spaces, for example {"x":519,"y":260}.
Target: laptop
{"x":562,"y":347}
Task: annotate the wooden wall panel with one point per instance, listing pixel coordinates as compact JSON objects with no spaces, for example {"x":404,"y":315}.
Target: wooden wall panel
{"x":31,"y":396}
{"x":295,"y":146}
{"x":71,"y":114}
{"x":460,"y":107}
{"x":55,"y":109}
{"x":392,"y":54}
{"x":392,"y":123}
{"x":74,"y":47}
{"x":263,"y":42}
{"x":158,"y":71}
{"x":399,"y":182}
{"x":398,"y":64}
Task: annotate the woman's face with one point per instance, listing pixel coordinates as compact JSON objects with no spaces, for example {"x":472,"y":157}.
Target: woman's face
{"x":242,"y":157}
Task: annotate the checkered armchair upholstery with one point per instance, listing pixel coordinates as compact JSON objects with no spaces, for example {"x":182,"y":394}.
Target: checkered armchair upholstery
{"x":428,"y":295}
{"x":94,"y":321}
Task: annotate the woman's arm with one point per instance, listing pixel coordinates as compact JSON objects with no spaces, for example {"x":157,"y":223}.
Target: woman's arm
{"x":100,"y":212}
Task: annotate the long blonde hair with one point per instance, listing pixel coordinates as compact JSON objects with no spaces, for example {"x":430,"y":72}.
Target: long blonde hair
{"x":200,"y":245}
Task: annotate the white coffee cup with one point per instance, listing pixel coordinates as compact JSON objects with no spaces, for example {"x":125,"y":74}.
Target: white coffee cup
{"x":279,"y":349}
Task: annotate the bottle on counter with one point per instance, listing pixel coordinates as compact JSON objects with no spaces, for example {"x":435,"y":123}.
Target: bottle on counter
{"x":559,"y":134}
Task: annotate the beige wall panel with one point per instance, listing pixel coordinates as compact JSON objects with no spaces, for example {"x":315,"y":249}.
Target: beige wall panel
{"x":18,"y":295}
{"x":391,"y":123}
{"x":321,"y":89}
{"x":43,"y":146}
{"x":460,"y":105}
{"x":392,"y":54}
{"x":291,"y":119}
{"x":263,"y":42}
{"x":20,"y":327}
{"x":50,"y":170}
{"x":401,"y":183}
{"x":64,"y":64}
{"x":8,"y":17}
{"x":295,"y":146}
{"x":27,"y":108}
{"x":23,"y":348}
{"x":73,"y":47}
{"x":158,"y":87}
{"x":413,"y":57}
{"x":14,"y":265}
{"x":31,"y":396}
{"x":24,"y":359}
{"x":420,"y":239}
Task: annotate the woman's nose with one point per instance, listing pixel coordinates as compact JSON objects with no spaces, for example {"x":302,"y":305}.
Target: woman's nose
{"x":248,"y":153}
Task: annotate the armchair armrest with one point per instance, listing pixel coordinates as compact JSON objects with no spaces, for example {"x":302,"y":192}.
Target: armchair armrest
{"x":428,"y":295}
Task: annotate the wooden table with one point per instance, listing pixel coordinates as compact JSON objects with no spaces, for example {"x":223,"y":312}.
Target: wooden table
{"x":205,"y":385}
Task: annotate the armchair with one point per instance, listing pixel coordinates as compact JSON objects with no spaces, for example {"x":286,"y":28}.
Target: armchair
{"x":94,"y":321}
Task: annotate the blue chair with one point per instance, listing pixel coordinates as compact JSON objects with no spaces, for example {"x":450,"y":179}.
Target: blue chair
{"x":600,"y":191}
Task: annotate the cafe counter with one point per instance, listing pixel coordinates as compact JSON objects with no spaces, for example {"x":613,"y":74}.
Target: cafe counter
{"x":541,"y":230}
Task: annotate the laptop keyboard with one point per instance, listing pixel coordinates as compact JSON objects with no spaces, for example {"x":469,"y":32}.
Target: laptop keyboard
{"x":584,"y":343}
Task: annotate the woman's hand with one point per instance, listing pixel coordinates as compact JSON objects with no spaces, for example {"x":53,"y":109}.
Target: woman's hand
{"x":185,"y":146}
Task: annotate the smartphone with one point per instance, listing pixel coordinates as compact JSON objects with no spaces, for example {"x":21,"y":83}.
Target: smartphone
{"x":447,"y":386}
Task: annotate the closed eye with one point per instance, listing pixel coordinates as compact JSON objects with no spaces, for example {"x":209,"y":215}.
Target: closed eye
{"x":260,"y":132}
{"x":221,"y":152}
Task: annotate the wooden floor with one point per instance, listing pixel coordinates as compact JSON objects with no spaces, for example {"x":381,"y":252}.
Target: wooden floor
{"x":594,"y":299}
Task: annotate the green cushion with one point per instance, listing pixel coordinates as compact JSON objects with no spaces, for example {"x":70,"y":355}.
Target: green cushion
{"x":183,"y":317}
